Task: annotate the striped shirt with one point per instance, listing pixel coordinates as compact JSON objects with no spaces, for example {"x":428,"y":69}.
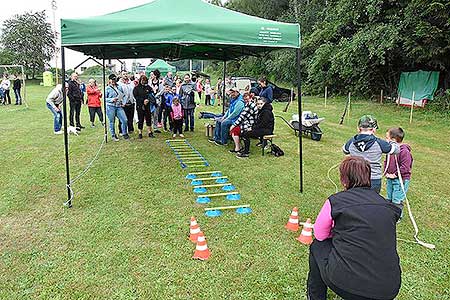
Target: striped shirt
{"x":247,"y":117}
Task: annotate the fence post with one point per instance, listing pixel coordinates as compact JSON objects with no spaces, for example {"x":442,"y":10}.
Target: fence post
{"x":412,"y":107}
{"x":381,"y":97}
{"x":326,"y":95}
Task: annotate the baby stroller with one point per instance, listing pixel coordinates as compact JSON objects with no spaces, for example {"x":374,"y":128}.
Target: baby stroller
{"x":310,"y":125}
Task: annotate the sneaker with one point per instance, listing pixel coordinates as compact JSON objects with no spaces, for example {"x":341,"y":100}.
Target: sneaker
{"x":82,"y":127}
{"x":211,"y":140}
{"x":92,"y":125}
{"x":140,"y":136}
{"x":242,"y":155}
{"x":181,"y":135}
{"x":114,"y":138}
{"x":78,"y":129}
{"x":192,"y":129}
{"x":157,"y":131}
{"x":151,"y":135}
{"x":185,"y":129}
{"x":159,"y":125}
{"x":218,"y":143}
{"x":126,"y":136}
{"x":59,"y":132}
{"x":234,"y":151}
{"x":174,"y":136}
{"x":120,"y":134}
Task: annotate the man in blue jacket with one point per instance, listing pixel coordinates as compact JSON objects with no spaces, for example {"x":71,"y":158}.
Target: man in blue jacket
{"x":224,"y":123}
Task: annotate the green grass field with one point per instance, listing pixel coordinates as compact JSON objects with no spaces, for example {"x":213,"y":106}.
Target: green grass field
{"x":126,"y":235}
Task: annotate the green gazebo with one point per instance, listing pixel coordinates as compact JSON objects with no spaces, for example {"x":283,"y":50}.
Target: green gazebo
{"x":162,"y":66}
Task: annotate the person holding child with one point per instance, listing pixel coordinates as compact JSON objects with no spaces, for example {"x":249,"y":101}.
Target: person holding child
{"x":398,"y":169}
{"x":176,"y":115}
{"x":370,"y":147}
{"x":355,"y":248}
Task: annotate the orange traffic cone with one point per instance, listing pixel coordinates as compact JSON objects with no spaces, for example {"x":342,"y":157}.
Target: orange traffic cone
{"x":292,"y":224}
{"x":201,"y":250}
{"x":194,"y":230}
{"x":306,"y":236}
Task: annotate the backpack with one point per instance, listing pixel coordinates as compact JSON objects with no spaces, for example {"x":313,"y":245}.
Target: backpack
{"x":276,"y":151}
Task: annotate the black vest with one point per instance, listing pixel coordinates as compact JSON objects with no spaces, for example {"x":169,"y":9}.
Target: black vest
{"x":364,"y":259}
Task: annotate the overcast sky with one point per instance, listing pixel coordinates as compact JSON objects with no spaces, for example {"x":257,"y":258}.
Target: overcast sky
{"x":67,"y":9}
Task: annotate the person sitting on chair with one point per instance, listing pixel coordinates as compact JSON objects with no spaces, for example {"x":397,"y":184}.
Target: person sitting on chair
{"x":264,"y":125}
{"x":224,"y":123}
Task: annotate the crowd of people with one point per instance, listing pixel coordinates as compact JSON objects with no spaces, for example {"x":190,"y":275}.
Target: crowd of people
{"x":5,"y":87}
{"x":167,"y":103}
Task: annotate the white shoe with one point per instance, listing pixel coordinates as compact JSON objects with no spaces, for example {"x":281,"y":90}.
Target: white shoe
{"x":174,"y":136}
{"x":182,"y":135}
{"x":59,"y":132}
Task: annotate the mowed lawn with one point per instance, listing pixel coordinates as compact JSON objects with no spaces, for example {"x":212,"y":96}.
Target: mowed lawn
{"x":126,"y":235}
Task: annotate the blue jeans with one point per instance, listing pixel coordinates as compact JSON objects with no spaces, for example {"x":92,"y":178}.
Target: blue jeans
{"x":394,"y":190}
{"x":209,"y":115}
{"x":189,"y":118}
{"x":375,"y":184}
{"x":57,"y":122}
{"x":17,"y":94}
{"x":222,"y":130}
{"x":112,"y":112}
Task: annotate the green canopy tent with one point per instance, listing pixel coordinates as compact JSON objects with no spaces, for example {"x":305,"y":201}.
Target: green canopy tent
{"x":162,"y":66}
{"x":172,"y":30}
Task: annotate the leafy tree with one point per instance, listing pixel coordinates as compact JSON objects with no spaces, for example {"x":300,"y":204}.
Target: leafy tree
{"x":30,"y":39}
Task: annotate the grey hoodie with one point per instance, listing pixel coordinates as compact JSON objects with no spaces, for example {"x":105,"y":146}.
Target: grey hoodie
{"x":371,"y":149}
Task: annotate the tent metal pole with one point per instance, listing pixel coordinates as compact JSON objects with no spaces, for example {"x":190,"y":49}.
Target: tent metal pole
{"x":66,"y":137}
{"x":104,"y":102}
{"x":223,"y":82}
{"x":299,"y":95}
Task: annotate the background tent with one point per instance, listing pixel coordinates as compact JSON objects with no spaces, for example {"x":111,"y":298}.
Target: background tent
{"x":162,"y":66}
{"x":422,"y":83}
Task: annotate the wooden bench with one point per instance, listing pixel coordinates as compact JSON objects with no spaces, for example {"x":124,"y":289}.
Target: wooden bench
{"x":266,"y":140}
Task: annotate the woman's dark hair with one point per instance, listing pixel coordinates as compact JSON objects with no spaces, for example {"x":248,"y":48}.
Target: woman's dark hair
{"x":157,"y":73}
{"x":143,"y":77}
{"x":263,"y":79}
{"x":355,"y":172}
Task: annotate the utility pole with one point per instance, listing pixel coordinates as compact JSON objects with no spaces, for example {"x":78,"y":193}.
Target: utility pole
{"x":54,"y":8}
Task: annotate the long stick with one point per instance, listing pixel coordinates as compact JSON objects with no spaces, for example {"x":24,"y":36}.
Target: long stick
{"x":326,"y":95}
{"x":227,"y":207}
{"x":212,"y":178}
{"x":344,"y":113}
{"x":349,"y":105}
{"x":66,"y":133}
{"x":176,"y":141}
{"x":381,"y":97}
{"x":412,"y":106}
{"x":202,"y":173}
{"x":219,"y":194}
{"x":211,"y":185}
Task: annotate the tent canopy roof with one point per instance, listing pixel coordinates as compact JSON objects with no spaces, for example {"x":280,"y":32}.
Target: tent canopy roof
{"x":161,"y":65}
{"x":174,"y":29}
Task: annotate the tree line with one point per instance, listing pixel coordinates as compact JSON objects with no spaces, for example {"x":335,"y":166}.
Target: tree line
{"x":357,"y":46}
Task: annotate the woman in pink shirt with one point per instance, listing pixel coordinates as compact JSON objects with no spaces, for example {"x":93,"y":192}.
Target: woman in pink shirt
{"x":355,"y":250}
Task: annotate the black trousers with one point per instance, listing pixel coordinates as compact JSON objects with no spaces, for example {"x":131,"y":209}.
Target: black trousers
{"x":166,"y":118}
{"x":143,"y":112}
{"x":93,"y":111}
{"x":75,"y":110}
{"x":129,"y":112}
{"x":208,"y":100}
{"x":7,"y":97}
{"x":178,"y":126}
{"x":318,"y":282}
{"x":257,"y":133}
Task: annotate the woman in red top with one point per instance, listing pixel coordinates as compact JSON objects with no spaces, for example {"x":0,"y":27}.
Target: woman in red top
{"x":94,"y":103}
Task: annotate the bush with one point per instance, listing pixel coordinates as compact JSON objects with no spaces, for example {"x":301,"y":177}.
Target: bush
{"x":441,"y":103}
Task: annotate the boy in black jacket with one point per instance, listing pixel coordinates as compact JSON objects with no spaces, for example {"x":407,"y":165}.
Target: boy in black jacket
{"x":264,"y":125}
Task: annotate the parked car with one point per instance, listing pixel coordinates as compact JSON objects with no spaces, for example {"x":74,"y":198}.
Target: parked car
{"x":249,"y":83}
